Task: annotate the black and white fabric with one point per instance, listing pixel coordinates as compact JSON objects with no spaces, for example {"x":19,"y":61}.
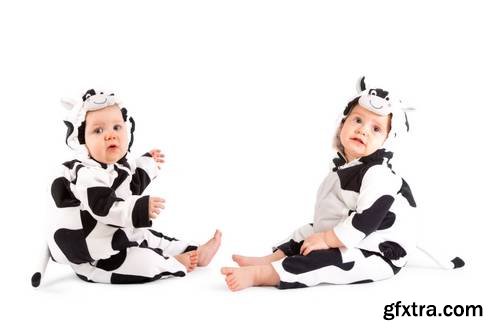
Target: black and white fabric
{"x":369,"y":208}
{"x":365,"y":203}
{"x":101,"y":226}
{"x":335,"y":266}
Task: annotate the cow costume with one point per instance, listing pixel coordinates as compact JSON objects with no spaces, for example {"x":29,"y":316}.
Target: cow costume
{"x":366,"y":204}
{"x":102,"y":228}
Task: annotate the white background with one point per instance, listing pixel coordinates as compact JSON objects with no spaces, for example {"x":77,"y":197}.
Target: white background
{"x":243,"y":98}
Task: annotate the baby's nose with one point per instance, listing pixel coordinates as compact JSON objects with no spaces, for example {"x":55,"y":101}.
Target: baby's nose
{"x":362,"y":130}
{"x":110,"y":135}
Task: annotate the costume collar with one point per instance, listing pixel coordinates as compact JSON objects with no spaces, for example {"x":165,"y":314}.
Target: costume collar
{"x":377,"y":157}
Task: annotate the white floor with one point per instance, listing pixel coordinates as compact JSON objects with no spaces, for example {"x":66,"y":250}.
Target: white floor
{"x":201,"y":301}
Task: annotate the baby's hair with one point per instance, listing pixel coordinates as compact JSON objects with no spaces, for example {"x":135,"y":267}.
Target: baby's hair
{"x":350,"y":106}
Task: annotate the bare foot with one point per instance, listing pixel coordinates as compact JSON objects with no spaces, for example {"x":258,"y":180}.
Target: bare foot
{"x":256,"y":261}
{"x":188,"y":259}
{"x":250,"y":261}
{"x":238,"y":278}
{"x":208,"y":250}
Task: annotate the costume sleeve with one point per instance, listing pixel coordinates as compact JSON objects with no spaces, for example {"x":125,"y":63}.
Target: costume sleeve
{"x":93,"y":189}
{"x":377,"y":193}
{"x":145,"y":171}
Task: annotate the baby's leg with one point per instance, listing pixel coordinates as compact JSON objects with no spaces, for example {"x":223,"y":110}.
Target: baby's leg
{"x":163,"y":244}
{"x":238,"y":278}
{"x":132,"y":265}
{"x":174,"y":247}
{"x":333,"y":266}
{"x":288,"y":247}
{"x":255,"y":261}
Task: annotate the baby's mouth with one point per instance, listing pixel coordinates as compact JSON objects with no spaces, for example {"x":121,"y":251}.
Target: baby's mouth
{"x":358,"y":140}
{"x":110,"y":147}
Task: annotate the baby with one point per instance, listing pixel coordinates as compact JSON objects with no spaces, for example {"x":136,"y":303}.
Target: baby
{"x":103,"y":230}
{"x":362,"y":230}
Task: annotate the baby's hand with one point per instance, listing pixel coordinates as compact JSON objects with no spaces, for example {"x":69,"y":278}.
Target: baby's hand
{"x":155,"y":204}
{"x":157,"y":156}
{"x":314,"y":242}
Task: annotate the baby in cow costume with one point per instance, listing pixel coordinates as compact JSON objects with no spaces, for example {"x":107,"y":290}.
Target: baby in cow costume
{"x":102,"y":229}
{"x":363,"y":228}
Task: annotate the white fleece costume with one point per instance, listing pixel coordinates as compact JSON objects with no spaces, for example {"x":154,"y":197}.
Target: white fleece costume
{"x":368,"y":207}
{"x":102,"y":228}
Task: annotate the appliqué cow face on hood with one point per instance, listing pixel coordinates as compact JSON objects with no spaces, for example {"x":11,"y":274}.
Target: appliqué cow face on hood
{"x":95,"y":101}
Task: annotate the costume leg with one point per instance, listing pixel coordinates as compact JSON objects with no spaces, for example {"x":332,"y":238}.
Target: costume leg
{"x":131,"y":265}
{"x":335,"y":266}
{"x":291,"y":245}
{"x":160,"y":243}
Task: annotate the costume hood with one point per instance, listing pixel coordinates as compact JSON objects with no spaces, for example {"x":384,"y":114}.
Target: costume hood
{"x":383,"y":103}
{"x":75,"y":117}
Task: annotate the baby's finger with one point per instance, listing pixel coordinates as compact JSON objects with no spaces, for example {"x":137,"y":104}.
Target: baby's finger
{"x":158,"y":207}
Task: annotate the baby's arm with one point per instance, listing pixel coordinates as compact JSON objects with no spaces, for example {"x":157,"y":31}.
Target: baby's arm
{"x":93,"y":189}
{"x":378,"y":191}
{"x":147,"y":167}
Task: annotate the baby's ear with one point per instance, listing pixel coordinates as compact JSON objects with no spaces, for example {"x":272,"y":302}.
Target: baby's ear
{"x":360,"y":84}
{"x":68,"y":103}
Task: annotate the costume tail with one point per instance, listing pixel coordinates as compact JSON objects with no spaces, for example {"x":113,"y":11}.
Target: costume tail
{"x":441,"y":260}
{"x":37,"y":277}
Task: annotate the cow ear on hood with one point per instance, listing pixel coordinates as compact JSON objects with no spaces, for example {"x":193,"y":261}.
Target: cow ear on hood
{"x":405,"y":107}
{"x":68,"y":103}
{"x":360,"y":84}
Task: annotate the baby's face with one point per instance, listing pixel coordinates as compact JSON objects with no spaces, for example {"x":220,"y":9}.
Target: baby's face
{"x":363,"y":132}
{"x":105,"y":134}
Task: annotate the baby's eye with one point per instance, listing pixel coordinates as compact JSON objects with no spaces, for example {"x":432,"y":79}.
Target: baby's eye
{"x":376,"y":129}
{"x":357,"y":120}
{"x":117,"y":127}
{"x":98,"y":130}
